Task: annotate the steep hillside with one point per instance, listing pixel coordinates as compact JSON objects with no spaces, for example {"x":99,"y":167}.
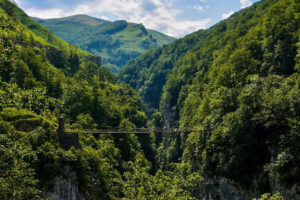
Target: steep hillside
{"x":36,"y":162}
{"x":39,"y":30}
{"x":233,"y":90}
{"x":117,"y":42}
{"x":237,"y":83}
{"x":148,"y":73}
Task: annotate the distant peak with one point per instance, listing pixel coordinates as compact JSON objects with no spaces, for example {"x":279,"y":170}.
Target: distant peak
{"x":81,"y":19}
{"x":85,"y":17}
{"x":80,"y":16}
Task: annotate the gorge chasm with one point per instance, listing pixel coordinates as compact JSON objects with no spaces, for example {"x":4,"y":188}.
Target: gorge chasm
{"x":235,"y":86}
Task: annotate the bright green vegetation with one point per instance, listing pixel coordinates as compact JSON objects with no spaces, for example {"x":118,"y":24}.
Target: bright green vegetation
{"x":35,"y":91}
{"x":238,"y":84}
{"x":117,"y":42}
{"x":269,"y":197}
{"x":39,"y":30}
{"x":60,"y":54}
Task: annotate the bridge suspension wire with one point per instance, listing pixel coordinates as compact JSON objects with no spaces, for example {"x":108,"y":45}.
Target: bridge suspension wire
{"x":133,"y":131}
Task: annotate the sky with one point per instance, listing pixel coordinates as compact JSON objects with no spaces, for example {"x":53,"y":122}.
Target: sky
{"x":172,"y":17}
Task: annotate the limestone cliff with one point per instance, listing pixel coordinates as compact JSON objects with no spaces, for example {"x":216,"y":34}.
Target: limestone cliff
{"x":63,"y":187}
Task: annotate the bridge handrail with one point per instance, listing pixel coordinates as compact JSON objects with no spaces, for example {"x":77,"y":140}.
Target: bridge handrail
{"x":131,"y":131}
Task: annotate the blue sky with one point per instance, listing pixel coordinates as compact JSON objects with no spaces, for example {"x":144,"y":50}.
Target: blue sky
{"x":173,"y":17}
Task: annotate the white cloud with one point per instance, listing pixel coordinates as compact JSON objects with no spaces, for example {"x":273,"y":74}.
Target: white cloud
{"x":48,"y":13}
{"x":199,"y":8}
{"x":104,"y":17}
{"x":245,"y":3}
{"x":169,"y":3}
{"x":226,"y":15}
{"x":154,"y":14}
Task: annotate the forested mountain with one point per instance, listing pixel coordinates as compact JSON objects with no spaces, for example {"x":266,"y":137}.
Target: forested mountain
{"x":117,"y":42}
{"x":237,"y":83}
{"x":36,"y":89}
{"x":42,"y":32}
{"x":232,"y":90}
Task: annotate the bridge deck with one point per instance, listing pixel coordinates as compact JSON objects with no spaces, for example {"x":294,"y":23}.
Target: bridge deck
{"x":134,"y":131}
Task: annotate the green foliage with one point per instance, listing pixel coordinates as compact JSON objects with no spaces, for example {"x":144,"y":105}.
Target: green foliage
{"x":262,"y":116}
{"x":33,"y":100}
{"x":14,"y":169}
{"x":60,"y":54}
{"x":35,"y":92}
{"x":105,"y":75}
{"x":84,"y":122}
{"x":237,"y":84}
{"x":33,"y":159}
{"x":163,"y":185}
{"x":157,"y":119}
{"x":269,"y":197}
{"x":39,"y":30}
{"x":147,"y":74}
{"x":117,"y":42}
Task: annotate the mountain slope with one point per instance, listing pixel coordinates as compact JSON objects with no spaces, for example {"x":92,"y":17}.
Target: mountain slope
{"x":237,"y":83}
{"x":117,"y":42}
{"x":148,"y":73}
{"x":47,"y":163}
{"x":39,"y":30}
{"x":34,"y":94}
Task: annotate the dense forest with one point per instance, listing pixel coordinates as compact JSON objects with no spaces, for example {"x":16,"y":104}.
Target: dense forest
{"x":238,"y":84}
{"x":235,"y":84}
{"x":117,"y":42}
{"x":36,"y":89}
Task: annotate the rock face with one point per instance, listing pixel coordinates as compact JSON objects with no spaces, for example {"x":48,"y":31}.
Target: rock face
{"x":223,"y":189}
{"x":292,"y":194}
{"x":63,"y":187}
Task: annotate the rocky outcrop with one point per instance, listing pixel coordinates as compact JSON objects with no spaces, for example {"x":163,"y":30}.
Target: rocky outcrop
{"x":27,"y":125}
{"x":63,"y":187}
{"x":221,"y":189}
{"x":291,"y":194}
{"x":224,"y":189}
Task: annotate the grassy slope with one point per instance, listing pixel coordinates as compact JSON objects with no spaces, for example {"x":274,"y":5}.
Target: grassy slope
{"x":36,"y":28}
{"x":108,"y":39}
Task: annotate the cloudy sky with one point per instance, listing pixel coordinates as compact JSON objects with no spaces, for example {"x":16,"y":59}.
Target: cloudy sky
{"x":173,"y":17}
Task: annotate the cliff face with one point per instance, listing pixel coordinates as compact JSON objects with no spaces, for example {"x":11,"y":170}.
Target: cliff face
{"x":221,"y":189}
{"x":224,"y":189}
{"x":64,"y":187}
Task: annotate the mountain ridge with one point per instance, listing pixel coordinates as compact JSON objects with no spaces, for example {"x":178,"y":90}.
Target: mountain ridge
{"x":80,"y":18}
{"x":116,"y":42}
{"x":237,"y":85}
